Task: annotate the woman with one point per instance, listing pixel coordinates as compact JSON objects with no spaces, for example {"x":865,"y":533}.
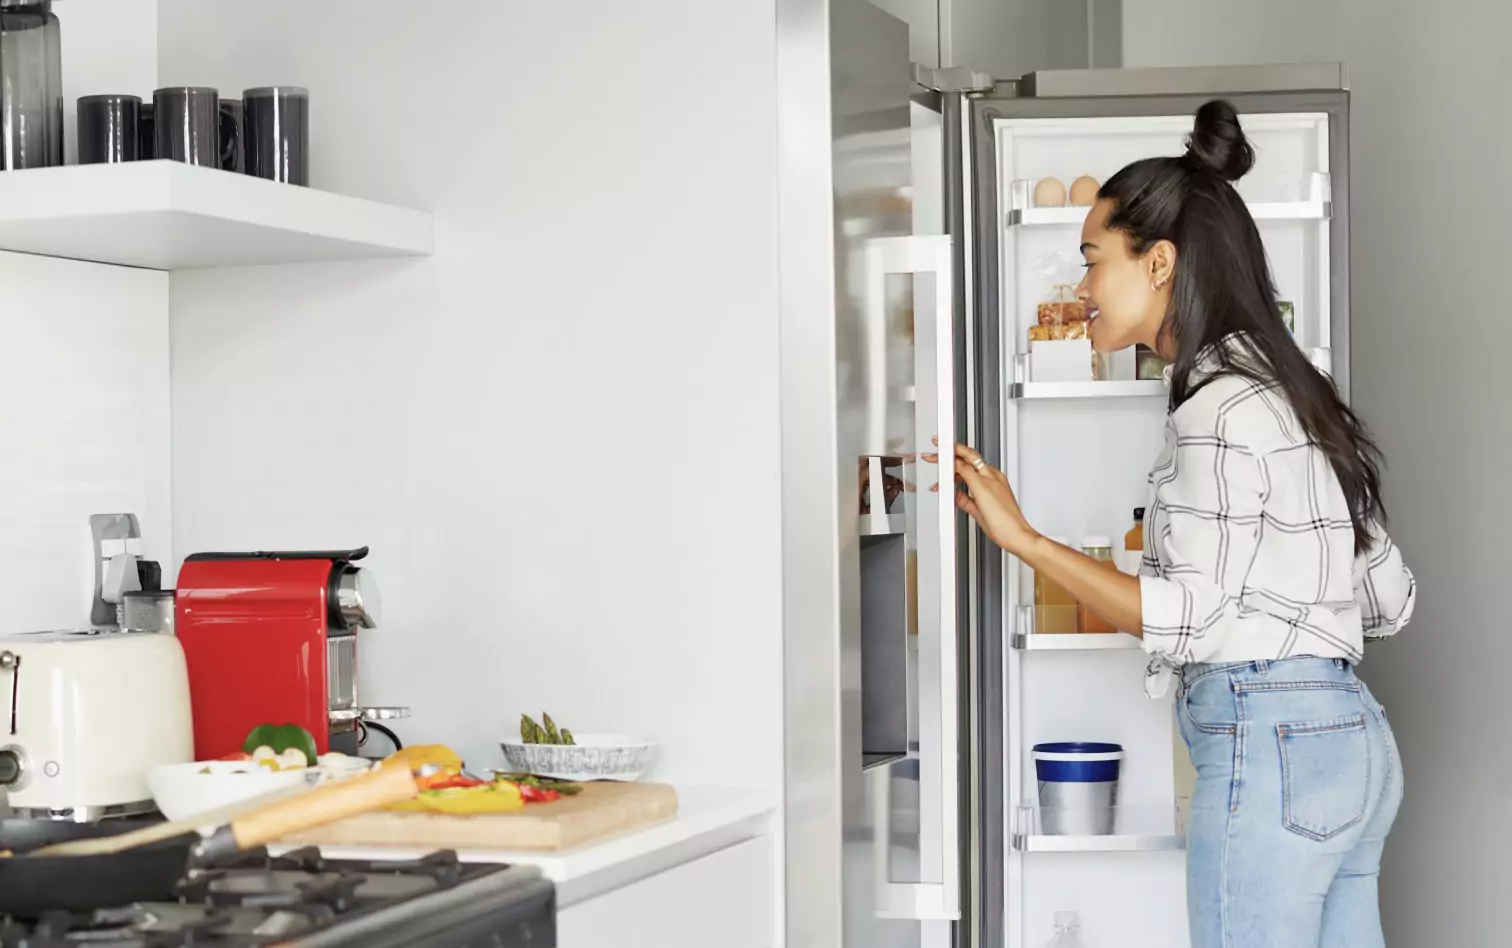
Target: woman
{"x":1265,"y":565}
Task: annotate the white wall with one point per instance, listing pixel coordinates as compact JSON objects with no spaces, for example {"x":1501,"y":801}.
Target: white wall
{"x":83,"y":427}
{"x":1429,"y":91}
{"x":109,"y":47}
{"x":83,"y":371}
{"x":560,"y":433}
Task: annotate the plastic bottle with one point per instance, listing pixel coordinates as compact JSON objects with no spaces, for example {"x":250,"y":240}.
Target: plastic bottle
{"x":1067,"y":931}
{"x":1133,"y":551}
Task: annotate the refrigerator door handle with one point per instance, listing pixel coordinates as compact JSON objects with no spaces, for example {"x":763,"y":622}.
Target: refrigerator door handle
{"x":929,"y":888}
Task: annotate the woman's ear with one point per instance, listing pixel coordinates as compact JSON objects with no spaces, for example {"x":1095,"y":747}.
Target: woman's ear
{"x":1161,"y":261}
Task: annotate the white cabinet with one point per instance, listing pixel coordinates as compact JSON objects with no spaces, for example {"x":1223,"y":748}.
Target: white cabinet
{"x":723,"y":900}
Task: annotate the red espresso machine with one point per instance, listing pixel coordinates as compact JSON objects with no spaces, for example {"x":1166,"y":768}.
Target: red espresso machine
{"x":271,"y":638}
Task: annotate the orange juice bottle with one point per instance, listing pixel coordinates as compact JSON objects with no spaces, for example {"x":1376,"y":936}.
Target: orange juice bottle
{"x":1055,"y":609}
{"x":1134,"y":543}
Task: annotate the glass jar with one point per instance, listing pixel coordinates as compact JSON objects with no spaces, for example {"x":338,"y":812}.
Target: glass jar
{"x":1100,"y":548}
{"x":31,"y":85}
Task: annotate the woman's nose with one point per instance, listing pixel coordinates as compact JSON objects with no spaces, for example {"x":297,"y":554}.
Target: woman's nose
{"x":1083,"y":291}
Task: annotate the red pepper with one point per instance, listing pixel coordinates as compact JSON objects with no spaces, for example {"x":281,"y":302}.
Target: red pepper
{"x":446,"y":780}
{"x":534,"y":794}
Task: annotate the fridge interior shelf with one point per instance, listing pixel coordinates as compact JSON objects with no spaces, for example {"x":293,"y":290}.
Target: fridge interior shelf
{"x":1022,"y":388}
{"x":1156,"y":828}
{"x":1317,"y":204}
{"x":167,"y":215}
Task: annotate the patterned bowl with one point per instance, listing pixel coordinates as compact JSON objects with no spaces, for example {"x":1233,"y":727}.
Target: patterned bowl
{"x":593,"y":757}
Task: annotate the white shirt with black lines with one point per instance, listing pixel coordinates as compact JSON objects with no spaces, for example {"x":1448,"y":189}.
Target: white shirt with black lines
{"x":1249,"y":546}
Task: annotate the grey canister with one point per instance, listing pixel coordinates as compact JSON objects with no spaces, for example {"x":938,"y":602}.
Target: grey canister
{"x":232,"y":144}
{"x":109,"y":128}
{"x":187,"y":125}
{"x":276,"y":127}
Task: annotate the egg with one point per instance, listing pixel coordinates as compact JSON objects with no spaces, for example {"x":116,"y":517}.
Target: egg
{"x":1049,"y":192}
{"x":1084,"y":191}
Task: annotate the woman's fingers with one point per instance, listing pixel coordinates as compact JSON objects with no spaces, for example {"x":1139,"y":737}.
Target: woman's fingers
{"x":968,"y":473}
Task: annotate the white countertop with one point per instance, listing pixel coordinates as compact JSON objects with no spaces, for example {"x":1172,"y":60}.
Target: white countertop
{"x":707,"y":821}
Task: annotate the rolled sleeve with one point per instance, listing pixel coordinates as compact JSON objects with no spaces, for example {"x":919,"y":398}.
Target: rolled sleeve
{"x":1212,"y":495}
{"x":1384,"y":589}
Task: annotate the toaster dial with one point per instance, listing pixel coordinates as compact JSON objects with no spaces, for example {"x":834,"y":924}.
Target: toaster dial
{"x":14,"y":769}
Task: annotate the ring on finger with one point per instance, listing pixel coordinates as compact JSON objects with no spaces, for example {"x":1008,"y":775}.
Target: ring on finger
{"x":978,"y":464}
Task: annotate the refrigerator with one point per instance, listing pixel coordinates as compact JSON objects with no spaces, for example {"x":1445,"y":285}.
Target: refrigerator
{"x":950,"y":674}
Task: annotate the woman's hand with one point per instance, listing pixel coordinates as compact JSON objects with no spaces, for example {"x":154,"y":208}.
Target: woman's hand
{"x":984,"y":493}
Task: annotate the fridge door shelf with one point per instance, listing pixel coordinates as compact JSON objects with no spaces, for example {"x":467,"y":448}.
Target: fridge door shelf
{"x":1031,"y":619}
{"x":1150,"y":828}
{"x":1317,"y":205}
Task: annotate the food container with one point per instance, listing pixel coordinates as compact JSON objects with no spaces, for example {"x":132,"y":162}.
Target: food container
{"x":1064,"y":307}
{"x":593,"y":757}
{"x":1078,"y":787}
{"x":182,"y":790}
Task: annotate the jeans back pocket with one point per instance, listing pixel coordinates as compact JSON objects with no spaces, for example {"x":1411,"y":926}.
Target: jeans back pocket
{"x":1325,"y":772}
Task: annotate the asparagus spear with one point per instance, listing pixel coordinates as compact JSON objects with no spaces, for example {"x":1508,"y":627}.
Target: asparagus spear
{"x":528,"y":730}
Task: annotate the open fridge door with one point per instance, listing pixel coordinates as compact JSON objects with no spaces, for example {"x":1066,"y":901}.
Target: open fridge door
{"x":898,"y":360}
{"x":1078,"y":435}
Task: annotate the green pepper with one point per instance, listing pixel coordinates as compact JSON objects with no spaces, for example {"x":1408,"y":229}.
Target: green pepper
{"x":281,"y":737}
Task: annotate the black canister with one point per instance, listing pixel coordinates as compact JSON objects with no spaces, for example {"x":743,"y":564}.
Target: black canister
{"x":146,"y":134}
{"x":109,"y":129}
{"x":187,"y":125}
{"x":232,"y":123}
{"x":276,"y":126}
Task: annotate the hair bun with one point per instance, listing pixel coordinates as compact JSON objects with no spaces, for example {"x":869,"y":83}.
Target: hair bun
{"x":1217,"y":143}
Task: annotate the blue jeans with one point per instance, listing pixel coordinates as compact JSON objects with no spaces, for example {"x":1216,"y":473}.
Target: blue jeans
{"x":1298,"y":783}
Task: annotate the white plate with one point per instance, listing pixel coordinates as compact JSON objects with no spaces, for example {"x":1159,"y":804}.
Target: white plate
{"x":182,"y":790}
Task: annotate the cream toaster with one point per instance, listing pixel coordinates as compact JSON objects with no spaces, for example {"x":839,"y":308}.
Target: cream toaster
{"x":85,"y":715}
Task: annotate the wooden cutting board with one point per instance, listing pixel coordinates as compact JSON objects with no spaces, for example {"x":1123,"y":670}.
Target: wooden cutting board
{"x":600,"y":811}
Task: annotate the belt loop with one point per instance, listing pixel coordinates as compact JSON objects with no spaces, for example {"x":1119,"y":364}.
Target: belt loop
{"x":1262,"y":666}
{"x":1339,"y":664}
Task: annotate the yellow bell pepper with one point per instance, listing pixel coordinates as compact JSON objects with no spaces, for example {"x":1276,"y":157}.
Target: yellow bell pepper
{"x":466,"y":801}
{"x":422,"y":754}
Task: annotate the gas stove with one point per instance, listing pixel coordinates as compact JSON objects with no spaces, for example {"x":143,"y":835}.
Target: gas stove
{"x":303,"y":900}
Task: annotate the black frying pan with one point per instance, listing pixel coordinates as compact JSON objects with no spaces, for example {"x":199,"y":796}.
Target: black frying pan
{"x":33,"y":885}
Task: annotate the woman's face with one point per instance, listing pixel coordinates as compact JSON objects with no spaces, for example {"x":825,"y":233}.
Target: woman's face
{"x":1127,"y":296}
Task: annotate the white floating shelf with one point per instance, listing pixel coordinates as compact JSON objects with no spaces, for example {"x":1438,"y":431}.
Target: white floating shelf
{"x":1145,"y":389}
{"x":166,"y":215}
{"x":1098,"y":844}
{"x":1075,"y":642}
{"x":1259,"y":210}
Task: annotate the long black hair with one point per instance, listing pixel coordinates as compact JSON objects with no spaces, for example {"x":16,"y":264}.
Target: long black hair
{"x":1223,"y":302}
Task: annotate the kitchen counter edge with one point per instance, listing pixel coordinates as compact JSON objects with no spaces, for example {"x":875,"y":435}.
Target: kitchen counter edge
{"x":708,"y":820}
